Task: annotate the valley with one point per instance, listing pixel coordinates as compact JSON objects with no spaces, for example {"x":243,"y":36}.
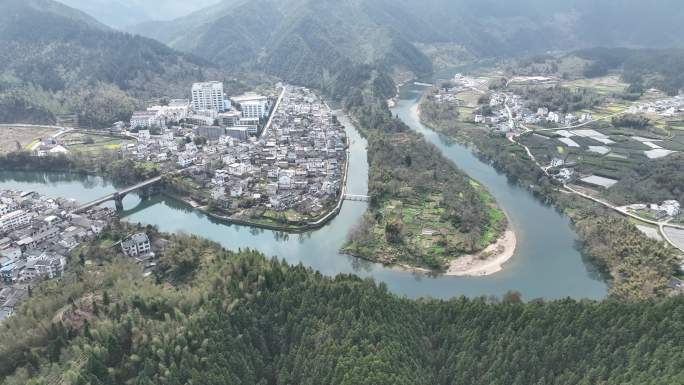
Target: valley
{"x":341,"y":192}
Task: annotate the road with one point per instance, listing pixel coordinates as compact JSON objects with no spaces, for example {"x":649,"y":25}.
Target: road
{"x":275,"y":109}
{"x":661,"y":224}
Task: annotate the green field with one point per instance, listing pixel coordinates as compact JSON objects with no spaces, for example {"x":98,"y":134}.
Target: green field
{"x":93,"y":144}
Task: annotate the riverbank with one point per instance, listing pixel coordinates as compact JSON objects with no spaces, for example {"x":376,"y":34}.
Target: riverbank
{"x":319,"y":249}
{"x":487,"y":262}
{"x":642,"y":269}
{"x":484,"y":263}
{"x":266,"y":226}
{"x":317,"y":224}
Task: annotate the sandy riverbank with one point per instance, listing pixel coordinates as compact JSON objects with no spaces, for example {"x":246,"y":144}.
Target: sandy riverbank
{"x":487,"y":262}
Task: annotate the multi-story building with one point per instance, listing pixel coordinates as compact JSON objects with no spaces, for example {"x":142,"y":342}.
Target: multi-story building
{"x":230,"y":118}
{"x":144,"y":119}
{"x":208,"y":96}
{"x":15,"y":220}
{"x":136,"y":245}
{"x":252,"y":105}
{"x":212,"y":133}
{"x":44,"y":266}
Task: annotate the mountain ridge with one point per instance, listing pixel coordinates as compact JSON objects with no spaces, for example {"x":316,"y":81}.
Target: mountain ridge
{"x":56,"y":60}
{"x":264,"y":29}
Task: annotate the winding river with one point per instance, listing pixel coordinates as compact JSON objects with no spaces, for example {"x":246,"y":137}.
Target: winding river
{"x":546,"y":264}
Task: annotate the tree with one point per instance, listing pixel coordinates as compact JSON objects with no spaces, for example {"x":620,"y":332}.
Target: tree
{"x":394,"y":231}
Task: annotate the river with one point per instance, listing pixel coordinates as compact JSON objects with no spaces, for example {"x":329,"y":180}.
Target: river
{"x":546,"y":263}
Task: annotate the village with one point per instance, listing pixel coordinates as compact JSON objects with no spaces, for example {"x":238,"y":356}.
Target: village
{"x":278,"y":158}
{"x":583,"y":150}
{"x":39,"y":233}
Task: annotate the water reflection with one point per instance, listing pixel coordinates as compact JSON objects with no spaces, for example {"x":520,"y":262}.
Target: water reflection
{"x":546,"y":265}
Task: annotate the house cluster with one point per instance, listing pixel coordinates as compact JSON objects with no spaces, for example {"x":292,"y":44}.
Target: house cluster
{"x":160,"y":116}
{"x":664,"y":210}
{"x":36,"y":235}
{"x":559,"y":119}
{"x":208,"y":106}
{"x":561,"y":170}
{"x":501,"y":102}
{"x":298,"y":163}
{"x":665,"y":107}
{"x":47,"y":147}
{"x":448,"y":94}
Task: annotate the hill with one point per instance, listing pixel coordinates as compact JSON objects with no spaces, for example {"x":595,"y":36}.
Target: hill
{"x":55,"y":59}
{"x":303,"y":41}
{"x":296,"y":38}
{"x":214,"y":317}
{"x":124,"y":13}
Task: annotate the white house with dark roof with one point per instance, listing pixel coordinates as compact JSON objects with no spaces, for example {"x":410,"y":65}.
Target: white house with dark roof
{"x":136,"y":244}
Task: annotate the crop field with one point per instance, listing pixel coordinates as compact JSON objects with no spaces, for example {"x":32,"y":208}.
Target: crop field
{"x":606,"y":85}
{"x":21,"y":138}
{"x":93,"y":144}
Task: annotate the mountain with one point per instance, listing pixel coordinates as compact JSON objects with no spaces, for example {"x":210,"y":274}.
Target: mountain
{"x":55,"y":59}
{"x":124,"y":13}
{"x":214,"y":317}
{"x":290,"y":38}
{"x":303,"y":41}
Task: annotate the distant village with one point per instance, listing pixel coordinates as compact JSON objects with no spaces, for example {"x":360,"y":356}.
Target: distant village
{"x":666,"y":107}
{"x":38,"y":233}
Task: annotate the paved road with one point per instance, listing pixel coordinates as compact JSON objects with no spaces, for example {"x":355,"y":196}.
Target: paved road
{"x":661,"y":224}
{"x":275,"y":109}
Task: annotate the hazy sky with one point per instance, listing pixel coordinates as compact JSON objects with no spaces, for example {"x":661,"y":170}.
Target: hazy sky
{"x":123,"y":13}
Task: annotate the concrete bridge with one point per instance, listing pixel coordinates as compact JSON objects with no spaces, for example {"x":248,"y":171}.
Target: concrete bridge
{"x":357,"y":198}
{"x":118,"y":196}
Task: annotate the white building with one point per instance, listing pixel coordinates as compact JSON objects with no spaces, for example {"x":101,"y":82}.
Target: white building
{"x":671,"y":207}
{"x":553,"y":117}
{"x":44,"y":266}
{"x":557,"y":162}
{"x":185,"y":160}
{"x":177,"y":109}
{"x":208,"y":96}
{"x":238,"y":169}
{"x":136,"y":245}
{"x":15,"y":220}
{"x":252,"y":105}
{"x":144,"y":119}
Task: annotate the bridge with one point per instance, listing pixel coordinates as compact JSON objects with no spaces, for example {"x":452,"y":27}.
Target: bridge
{"x":357,"y":198}
{"x":117,"y":196}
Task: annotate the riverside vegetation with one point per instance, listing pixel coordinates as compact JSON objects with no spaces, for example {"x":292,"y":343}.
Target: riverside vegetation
{"x":423,"y":211}
{"x":209,"y":316}
{"x":213,"y":316}
{"x":636,"y":266}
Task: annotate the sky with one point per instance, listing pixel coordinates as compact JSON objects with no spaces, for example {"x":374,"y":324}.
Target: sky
{"x":123,"y":13}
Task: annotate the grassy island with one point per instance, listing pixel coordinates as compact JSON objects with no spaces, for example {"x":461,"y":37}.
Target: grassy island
{"x":424,"y":212}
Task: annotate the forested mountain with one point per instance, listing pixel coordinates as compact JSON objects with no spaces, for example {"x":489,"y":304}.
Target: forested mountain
{"x":295,"y":38}
{"x":217,"y":317}
{"x":641,"y":68}
{"x":54,"y":59}
{"x":302,"y":41}
{"x":124,"y":13}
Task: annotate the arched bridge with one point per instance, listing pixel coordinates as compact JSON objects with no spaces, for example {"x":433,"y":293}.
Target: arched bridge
{"x":117,"y":196}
